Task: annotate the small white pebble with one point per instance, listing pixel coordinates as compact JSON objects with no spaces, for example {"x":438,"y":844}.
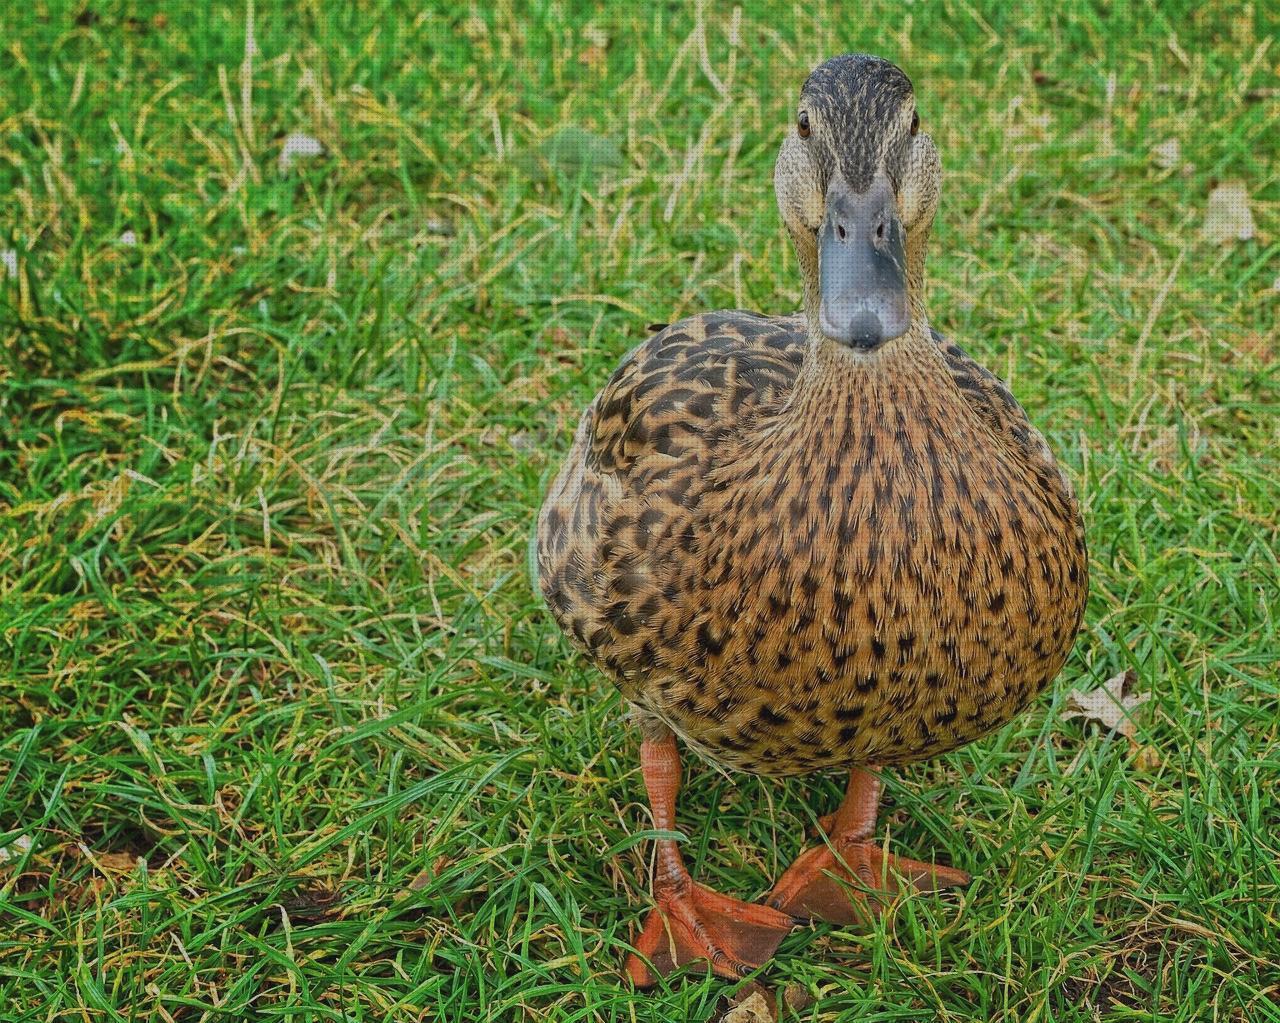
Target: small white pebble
{"x":15,"y":849}
{"x":129,"y":237}
{"x":299,"y":146}
{"x":9,"y":257}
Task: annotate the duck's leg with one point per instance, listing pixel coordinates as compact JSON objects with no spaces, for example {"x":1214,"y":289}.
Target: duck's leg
{"x":692,"y":922}
{"x":845,"y":880}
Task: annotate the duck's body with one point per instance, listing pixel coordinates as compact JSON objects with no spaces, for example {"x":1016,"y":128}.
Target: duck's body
{"x":876,"y":563}
{"x":822,"y":540}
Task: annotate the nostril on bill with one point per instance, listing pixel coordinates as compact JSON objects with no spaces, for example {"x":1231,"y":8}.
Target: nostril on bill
{"x":866,"y":329}
{"x":840,"y":231}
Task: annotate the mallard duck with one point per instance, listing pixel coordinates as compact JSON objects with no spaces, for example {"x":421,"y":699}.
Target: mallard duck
{"x":825,"y":540}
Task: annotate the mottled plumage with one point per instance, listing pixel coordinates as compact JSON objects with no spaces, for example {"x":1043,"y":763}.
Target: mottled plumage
{"x":795,"y":571}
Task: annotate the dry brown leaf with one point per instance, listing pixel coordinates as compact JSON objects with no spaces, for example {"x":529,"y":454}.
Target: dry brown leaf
{"x":1228,"y":217}
{"x":1257,"y":346}
{"x":797,"y":997}
{"x":1112,"y":705}
{"x":1146,"y":758}
{"x":115,"y":862}
{"x":70,"y":894}
{"x":755,"y":1008}
{"x":312,"y":903}
{"x":430,"y":874}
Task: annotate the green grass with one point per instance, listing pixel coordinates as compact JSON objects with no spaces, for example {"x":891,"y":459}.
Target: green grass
{"x":286,"y":729}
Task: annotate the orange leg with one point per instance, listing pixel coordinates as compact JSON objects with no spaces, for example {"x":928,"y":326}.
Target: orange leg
{"x":692,"y":922}
{"x":844,"y":882}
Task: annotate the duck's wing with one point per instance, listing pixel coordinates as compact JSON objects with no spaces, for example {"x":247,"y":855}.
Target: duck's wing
{"x":996,"y":406}
{"x":686,"y":389}
{"x":621,"y":508}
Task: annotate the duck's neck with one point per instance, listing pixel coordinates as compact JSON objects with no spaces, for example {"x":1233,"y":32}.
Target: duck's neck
{"x":832,"y":369}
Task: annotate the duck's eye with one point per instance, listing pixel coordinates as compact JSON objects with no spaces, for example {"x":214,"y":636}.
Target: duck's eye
{"x":915,"y":122}
{"x":802,"y":123}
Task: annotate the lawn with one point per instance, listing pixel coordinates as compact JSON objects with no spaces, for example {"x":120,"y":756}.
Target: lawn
{"x":285,"y":732}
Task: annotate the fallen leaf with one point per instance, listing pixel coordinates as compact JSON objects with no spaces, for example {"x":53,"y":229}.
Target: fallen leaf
{"x":299,"y":146}
{"x":1258,"y":347}
{"x":797,"y":997}
{"x":596,"y":36}
{"x":755,"y":1008}
{"x":15,"y":849}
{"x":312,"y":904}
{"x":1228,"y":217}
{"x":1147,"y":758}
{"x":1168,"y":154}
{"x":1112,"y":705}
{"x":75,"y":895}
{"x":112,"y":863}
{"x":430,"y":874}
{"x":523,"y":440}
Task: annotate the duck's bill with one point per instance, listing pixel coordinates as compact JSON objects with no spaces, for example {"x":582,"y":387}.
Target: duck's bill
{"x":862,"y":264}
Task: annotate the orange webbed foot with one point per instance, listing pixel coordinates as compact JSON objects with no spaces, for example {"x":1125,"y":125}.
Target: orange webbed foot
{"x":693,"y":923}
{"x":848,"y":879}
{"x":851,"y":883}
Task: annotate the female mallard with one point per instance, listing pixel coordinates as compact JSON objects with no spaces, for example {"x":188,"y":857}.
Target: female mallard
{"x":822,"y":540}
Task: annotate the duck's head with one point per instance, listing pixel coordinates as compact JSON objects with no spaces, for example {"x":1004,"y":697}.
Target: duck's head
{"x":857,"y":184}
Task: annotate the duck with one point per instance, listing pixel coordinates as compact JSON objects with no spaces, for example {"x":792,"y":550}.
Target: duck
{"x":816,"y":541}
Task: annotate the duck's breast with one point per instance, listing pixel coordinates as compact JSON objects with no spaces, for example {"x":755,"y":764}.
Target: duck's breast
{"x":883,"y":578}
